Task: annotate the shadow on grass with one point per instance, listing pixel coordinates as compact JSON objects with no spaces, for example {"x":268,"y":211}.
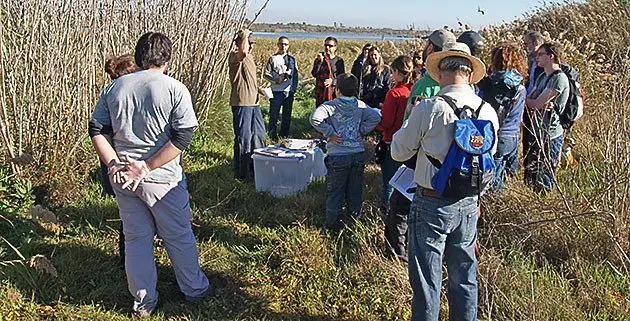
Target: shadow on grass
{"x":215,"y":192}
{"x":88,"y":274}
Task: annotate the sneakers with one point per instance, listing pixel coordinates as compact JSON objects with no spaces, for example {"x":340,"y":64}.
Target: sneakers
{"x":145,"y":313}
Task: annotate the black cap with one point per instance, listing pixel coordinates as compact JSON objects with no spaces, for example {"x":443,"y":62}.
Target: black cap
{"x":472,"y":39}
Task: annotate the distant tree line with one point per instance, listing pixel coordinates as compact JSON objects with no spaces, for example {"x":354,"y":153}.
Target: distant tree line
{"x":337,"y":27}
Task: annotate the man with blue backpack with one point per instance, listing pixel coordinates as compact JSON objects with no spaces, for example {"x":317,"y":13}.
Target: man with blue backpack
{"x":454,"y":135}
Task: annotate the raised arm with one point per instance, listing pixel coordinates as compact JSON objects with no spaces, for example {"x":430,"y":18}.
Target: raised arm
{"x":243,"y":48}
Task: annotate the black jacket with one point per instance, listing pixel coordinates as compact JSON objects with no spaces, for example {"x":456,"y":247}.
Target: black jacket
{"x":357,"y":67}
{"x":375,"y":87}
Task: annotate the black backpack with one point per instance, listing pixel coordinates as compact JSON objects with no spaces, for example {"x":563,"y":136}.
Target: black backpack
{"x":500,"y":92}
{"x":574,"y":109}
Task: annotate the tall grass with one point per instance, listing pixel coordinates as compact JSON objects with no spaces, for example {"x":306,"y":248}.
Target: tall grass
{"x":563,"y":256}
{"x":589,"y":215}
{"x":51,"y":60}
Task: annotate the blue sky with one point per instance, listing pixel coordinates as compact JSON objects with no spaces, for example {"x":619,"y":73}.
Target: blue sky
{"x":394,"y":13}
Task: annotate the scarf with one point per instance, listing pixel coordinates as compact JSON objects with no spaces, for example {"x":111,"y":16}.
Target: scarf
{"x":323,"y":93}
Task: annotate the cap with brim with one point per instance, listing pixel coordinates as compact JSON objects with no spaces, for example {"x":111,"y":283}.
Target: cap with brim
{"x":471,"y":38}
{"x":440,"y":36}
{"x":455,"y":49}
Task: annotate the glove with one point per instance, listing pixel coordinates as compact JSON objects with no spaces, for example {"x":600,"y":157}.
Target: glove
{"x":134,"y":173}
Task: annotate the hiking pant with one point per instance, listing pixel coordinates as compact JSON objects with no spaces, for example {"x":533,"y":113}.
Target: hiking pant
{"x":505,"y":161}
{"x":285,"y":100}
{"x":396,"y":225}
{"x":164,"y":207}
{"x":249,"y":134}
{"x":344,"y":181}
{"x":388,"y":169}
{"x":443,"y":229}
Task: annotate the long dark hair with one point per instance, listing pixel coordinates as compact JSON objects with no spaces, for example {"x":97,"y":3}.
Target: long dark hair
{"x":404,"y":65}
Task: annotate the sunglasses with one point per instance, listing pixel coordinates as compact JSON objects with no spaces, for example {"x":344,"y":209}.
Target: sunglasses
{"x":283,"y":44}
{"x":329,"y":45}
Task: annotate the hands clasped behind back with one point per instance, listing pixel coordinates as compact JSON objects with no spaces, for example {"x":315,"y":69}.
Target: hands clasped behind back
{"x":129,"y":172}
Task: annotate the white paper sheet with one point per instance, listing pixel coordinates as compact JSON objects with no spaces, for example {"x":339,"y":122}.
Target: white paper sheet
{"x":402,"y":181}
{"x":268,"y":92}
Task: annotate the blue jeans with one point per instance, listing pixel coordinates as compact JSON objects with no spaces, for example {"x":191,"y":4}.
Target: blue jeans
{"x":388,"y":169}
{"x":249,"y":134}
{"x":505,"y":161}
{"x":284,"y":100}
{"x":541,"y":163}
{"x":344,"y":181}
{"x":443,"y":228}
{"x":551,"y":163}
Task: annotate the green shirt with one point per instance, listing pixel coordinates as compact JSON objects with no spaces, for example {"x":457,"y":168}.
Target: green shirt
{"x":426,"y":87}
{"x":549,"y":122}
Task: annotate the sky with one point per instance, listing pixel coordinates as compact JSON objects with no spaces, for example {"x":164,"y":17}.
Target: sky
{"x":399,"y":14}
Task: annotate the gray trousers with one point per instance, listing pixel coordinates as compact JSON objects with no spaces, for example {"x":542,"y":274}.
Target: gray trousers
{"x":165,"y":208}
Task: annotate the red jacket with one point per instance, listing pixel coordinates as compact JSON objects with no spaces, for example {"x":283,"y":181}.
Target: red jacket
{"x":393,"y":110}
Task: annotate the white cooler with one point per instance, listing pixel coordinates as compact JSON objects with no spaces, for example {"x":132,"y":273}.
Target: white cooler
{"x":284,"y":177}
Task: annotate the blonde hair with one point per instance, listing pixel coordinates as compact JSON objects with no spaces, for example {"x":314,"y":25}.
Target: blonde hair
{"x":379,"y":68}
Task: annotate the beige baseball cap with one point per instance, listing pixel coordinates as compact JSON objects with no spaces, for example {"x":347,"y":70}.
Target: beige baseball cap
{"x":440,"y":36}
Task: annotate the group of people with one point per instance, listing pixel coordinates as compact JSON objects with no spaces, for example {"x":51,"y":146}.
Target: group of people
{"x":144,"y":119}
{"x":416,"y":120}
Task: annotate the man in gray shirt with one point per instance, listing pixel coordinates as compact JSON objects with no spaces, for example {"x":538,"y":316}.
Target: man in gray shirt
{"x":545,"y":103}
{"x":151,"y":119}
{"x":281,"y":71}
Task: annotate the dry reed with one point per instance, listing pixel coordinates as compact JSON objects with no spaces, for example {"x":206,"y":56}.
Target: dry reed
{"x":51,"y":61}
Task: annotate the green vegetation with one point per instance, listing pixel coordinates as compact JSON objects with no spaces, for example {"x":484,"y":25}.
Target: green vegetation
{"x":563,"y":256}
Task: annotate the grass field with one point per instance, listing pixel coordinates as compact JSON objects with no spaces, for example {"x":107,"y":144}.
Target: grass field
{"x":268,"y":260}
{"x":563,"y":256}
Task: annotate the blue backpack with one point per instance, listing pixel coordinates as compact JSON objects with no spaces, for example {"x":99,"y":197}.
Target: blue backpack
{"x":469,"y":165}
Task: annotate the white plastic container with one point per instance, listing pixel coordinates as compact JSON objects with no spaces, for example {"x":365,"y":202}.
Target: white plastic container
{"x":284,"y":177}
